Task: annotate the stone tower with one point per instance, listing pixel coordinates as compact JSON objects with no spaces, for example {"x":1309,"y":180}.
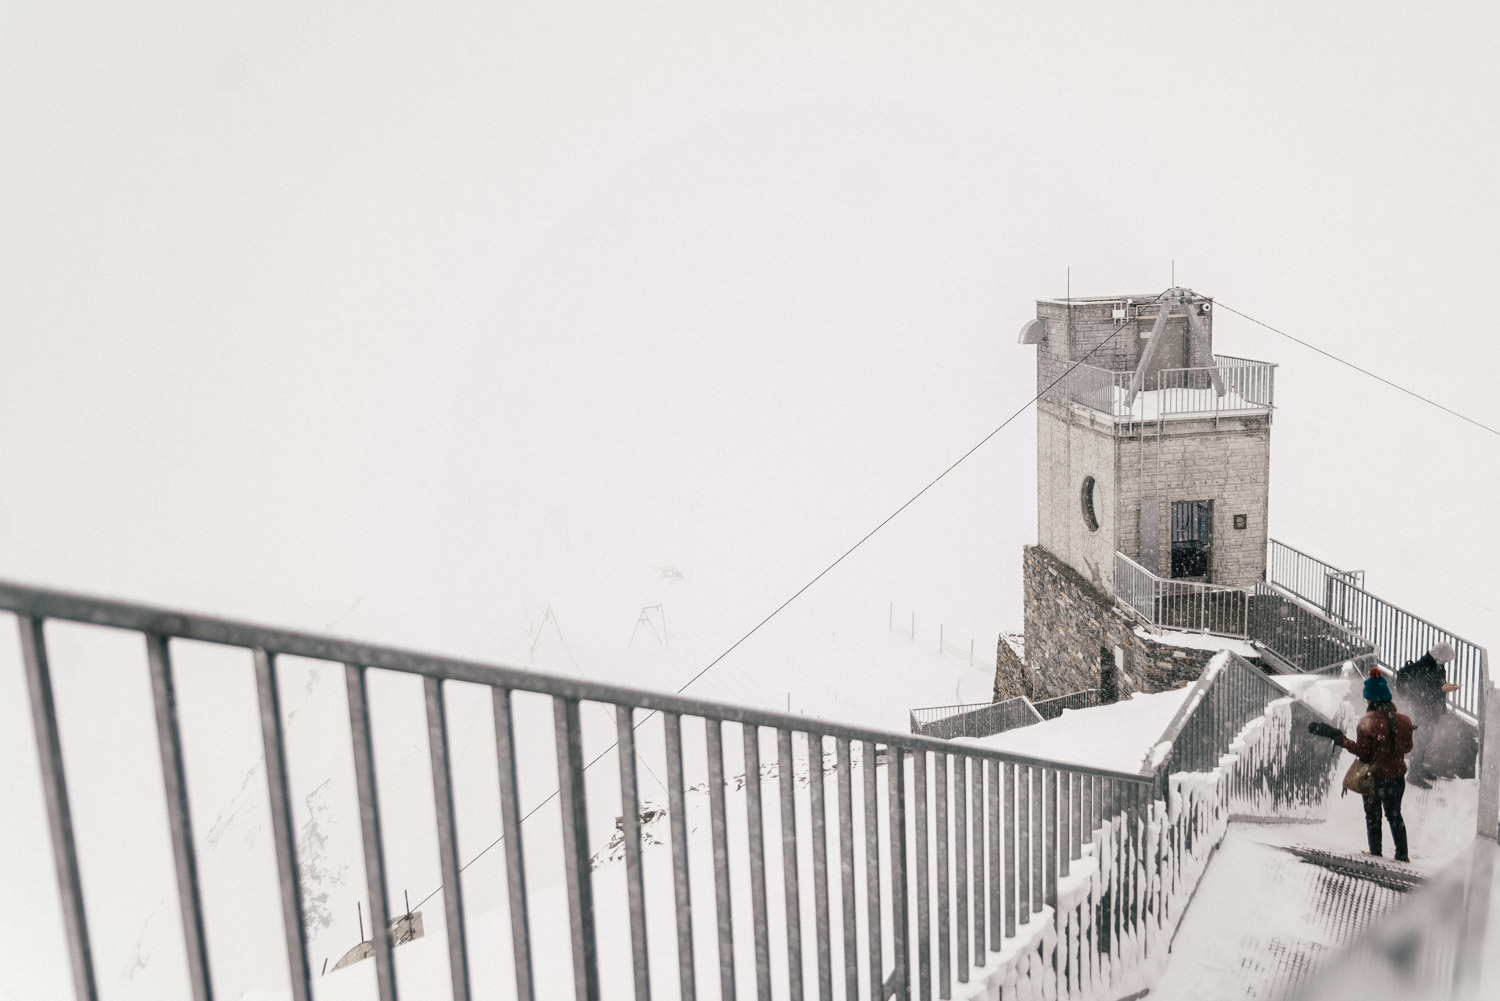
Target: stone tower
{"x":1153,"y":460}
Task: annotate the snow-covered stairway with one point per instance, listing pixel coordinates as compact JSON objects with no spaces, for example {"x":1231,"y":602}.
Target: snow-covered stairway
{"x":1277,"y":898}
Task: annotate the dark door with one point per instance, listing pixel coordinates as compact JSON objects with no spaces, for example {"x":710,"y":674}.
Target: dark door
{"x":1192,"y":539}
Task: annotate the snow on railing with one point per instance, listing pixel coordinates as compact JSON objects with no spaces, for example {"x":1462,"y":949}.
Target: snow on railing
{"x":908,"y":865}
{"x":963,"y":849}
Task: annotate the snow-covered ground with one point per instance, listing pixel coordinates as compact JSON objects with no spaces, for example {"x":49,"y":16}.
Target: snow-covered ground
{"x":1117,"y":737}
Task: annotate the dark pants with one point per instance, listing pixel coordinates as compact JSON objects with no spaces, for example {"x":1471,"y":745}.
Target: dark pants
{"x":1426,"y":718}
{"x":1388,"y":793}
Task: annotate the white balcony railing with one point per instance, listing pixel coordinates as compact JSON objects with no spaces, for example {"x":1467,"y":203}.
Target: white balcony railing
{"x":1229,"y":387}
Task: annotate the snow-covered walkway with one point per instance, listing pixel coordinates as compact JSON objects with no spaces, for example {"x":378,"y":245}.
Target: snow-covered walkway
{"x":1265,"y":915}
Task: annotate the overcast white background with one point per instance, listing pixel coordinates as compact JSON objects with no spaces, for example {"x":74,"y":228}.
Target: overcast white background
{"x":410,"y":323}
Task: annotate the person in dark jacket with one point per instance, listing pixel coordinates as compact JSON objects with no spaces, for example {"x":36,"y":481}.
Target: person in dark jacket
{"x":1423,"y":685}
{"x":1382,"y":739}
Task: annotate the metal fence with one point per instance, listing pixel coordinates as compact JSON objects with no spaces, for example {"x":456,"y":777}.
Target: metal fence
{"x":1306,"y":576}
{"x":1230,"y":385}
{"x":1401,"y":637}
{"x":1253,"y":382}
{"x":1218,"y":706}
{"x":1096,"y":388}
{"x":1053,"y":708}
{"x":1432,"y":946}
{"x":1396,"y":635}
{"x":985,"y":719}
{"x":1190,"y":606}
{"x":958,"y":846}
{"x":982,"y":719}
{"x":1302,"y":635}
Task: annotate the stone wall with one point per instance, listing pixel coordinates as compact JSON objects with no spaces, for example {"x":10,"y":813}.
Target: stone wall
{"x":1011,"y":677}
{"x":1073,"y":330}
{"x":1067,"y":453}
{"x":1069,"y":623}
{"x":1226,"y":461}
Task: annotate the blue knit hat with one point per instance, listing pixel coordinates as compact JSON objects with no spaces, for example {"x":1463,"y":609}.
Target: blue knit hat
{"x":1376,"y":689}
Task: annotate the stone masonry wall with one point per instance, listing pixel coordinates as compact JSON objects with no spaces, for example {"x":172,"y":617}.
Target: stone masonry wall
{"x":1067,"y":452}
{"x":1228,"y":463}
{"x":1068,"y":621}
{"x":1091,"y":324}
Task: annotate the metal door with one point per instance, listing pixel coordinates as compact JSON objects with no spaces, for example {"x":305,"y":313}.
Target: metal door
{"x":1192,"y":539}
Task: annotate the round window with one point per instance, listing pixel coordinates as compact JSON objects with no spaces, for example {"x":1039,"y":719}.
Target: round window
{"x":1090,"y":499}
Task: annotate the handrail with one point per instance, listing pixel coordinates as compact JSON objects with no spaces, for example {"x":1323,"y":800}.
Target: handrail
{"x":1302,"y":634}
{"x":1043,"y":812}
{"x":980,"y":720}
{"x":1402,"y":636}
{"x":1248,"y":689}
{"x":1191,"y":606}
{"x":1049,"y":810}
{"x":1249,"y":387}
{"x":1303,"y":574}
{"x":41,"y":603}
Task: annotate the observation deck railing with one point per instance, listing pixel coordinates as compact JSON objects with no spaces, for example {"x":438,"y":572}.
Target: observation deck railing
{"x":962,"y":849}
{"x":1248,"y":387}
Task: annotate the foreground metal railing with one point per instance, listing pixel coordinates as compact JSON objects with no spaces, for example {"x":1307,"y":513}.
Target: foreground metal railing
{"x":1302,"y":636}
{"x":1004,"y":828}
{"x":1186,"y":605}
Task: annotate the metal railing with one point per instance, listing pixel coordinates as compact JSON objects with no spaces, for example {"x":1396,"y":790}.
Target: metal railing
{"x":1306,"y":576}
{"x":1302,"y":635}
{"x":1004,"y":827}
{"x":1247,"y":387}
{"x":1177,"y":604}
{"x":1396,"y":635}
{"x":982,"y":719}
{"x":1053,"y":708}
{"x":1247,"y":380}
{"x":1401,"y":637}
{"x":985,"y":719}
{"x":1217,"y":707}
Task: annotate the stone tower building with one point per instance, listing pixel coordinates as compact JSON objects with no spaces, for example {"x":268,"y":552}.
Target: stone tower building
{"x":1153,"y":460}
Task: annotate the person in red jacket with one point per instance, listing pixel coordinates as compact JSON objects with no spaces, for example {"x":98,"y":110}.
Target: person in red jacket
{"x":1383,"y":740}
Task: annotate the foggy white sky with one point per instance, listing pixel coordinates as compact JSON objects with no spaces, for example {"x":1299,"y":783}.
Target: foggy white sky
{"x":411,"y":324}
{"x":360,"y":317}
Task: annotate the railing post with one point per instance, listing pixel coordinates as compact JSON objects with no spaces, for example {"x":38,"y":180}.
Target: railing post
{"x":185,"y":859}
{"x":1488,"y":822}
{"x":59,"y":816}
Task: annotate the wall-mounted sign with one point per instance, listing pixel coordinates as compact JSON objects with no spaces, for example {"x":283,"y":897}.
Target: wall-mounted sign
{"x":1241,"y":521}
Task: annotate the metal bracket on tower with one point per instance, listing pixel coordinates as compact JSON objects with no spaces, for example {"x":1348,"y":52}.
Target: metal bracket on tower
{"x":1139,"y":379}
{"x":1199,"y":334}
